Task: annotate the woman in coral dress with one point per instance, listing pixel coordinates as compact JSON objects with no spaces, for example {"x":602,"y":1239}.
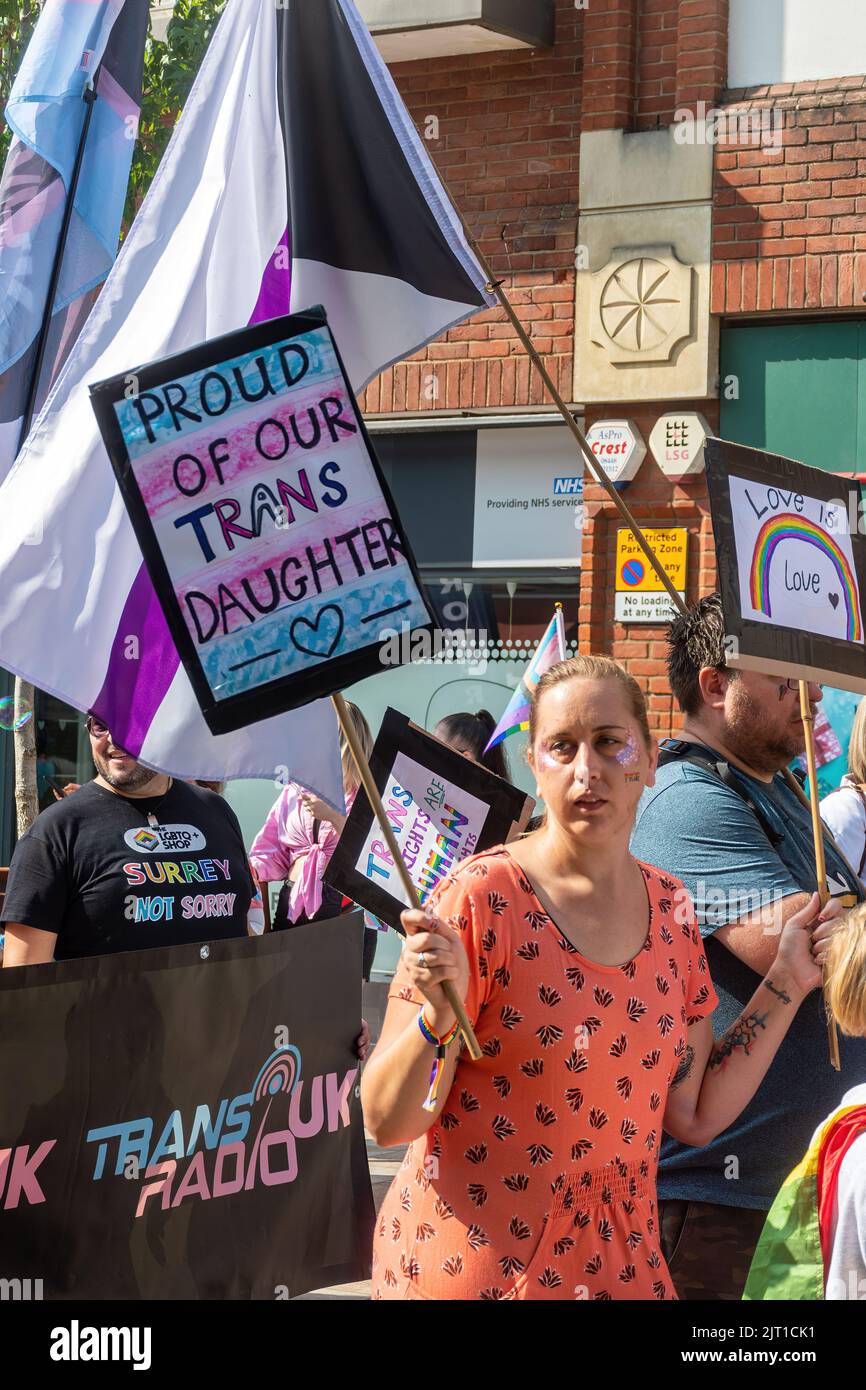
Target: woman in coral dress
{"x":531,"y":1173}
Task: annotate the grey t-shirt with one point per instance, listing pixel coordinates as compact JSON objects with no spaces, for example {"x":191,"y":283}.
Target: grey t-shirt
{"x":694,"y":827}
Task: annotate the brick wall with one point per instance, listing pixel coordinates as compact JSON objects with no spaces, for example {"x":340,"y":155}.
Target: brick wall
{"x":642,"y":62}
{"x":789,"y":221}
{"x":653,"y":501}
{"x":657,"y":64}
{"x":702,"y":51}
{"x":508,"y":146}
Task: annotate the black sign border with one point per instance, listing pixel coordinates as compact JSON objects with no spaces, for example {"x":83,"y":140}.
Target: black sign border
{"x":289,"y":691}
{"x":507,"y":806}
{"x":779,"y":650}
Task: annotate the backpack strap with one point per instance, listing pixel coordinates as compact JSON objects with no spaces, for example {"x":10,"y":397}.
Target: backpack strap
{"x":681,"y":750}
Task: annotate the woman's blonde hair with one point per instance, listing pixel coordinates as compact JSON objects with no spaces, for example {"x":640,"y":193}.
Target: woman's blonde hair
{"x":845,"y":988}
{"x":351,"y":780}
{"x":595,"y":668}
{"x":857,"y":745}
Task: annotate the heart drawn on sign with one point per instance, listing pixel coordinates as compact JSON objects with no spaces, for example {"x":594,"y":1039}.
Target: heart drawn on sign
{"x":322,"y":637}
{"x":834,"y":599}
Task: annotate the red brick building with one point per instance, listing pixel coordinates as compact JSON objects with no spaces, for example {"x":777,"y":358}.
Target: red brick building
{"x":662,"y":140}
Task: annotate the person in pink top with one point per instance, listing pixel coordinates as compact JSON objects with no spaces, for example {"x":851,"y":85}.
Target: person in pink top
{"x":297,"y":840}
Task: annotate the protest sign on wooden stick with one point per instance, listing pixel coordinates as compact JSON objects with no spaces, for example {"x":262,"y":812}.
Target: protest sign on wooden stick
{"x":818,"y":838}
{"x":264,"y":520}
{"x":369,"y":784}
{"x":442,"y":808}
{"x":791,"y":574}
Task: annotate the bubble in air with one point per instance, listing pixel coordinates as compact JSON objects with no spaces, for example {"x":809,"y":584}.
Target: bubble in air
{"x":13,"y":717}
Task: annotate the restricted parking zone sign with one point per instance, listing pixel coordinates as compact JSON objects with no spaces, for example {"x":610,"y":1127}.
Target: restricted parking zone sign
{"x":640,"y":596}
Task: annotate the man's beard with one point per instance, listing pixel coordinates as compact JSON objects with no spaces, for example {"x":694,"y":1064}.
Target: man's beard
{"x":756,"y":740}
{"x":132,"y":779}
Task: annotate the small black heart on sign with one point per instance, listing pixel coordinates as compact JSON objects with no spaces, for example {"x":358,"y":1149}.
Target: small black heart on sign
{"x":321,"y":637}
{"x":834,"y":599}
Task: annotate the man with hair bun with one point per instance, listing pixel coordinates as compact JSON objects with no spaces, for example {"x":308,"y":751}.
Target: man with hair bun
{"x":723,"y":818}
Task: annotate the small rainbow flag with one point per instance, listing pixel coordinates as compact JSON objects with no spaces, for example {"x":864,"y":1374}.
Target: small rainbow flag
{"x":549,"y":651}
{"x":793,"y":1254}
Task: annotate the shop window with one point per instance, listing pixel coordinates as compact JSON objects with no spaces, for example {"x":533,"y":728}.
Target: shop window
{"x":62,"y":749}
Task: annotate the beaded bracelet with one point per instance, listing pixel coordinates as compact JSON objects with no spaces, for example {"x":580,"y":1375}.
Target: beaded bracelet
{"x":439,"y":1064}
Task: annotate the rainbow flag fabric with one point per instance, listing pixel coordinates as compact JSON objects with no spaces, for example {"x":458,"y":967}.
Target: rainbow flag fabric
{"x":793,"y":1254}
{"x":549,"y":651}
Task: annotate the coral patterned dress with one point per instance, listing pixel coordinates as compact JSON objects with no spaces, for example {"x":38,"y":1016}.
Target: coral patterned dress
{"x":537,"y":1180}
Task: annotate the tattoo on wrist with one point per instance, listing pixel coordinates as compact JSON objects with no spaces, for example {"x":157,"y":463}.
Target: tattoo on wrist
{"x":779,"y":993}
{"x":684,"y":1068}
{"x":739,"y":1038}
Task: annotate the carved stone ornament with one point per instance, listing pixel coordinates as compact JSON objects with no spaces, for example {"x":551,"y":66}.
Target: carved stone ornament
{"x":641,"y":304}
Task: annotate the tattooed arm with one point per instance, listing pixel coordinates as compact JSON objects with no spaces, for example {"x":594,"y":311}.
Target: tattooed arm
{"x":716,"y":1079}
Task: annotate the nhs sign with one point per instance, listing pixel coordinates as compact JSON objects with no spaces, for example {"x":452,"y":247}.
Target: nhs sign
{"x":568,"y":487}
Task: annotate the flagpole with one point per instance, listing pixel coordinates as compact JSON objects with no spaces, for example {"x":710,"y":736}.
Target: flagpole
{"x":369,"y":785}
{"x":494,"y":286}
{"x":818,"y":836}
{"x":560,"y":628}
{"x":24,"y":746}
{"x":89,"y":98}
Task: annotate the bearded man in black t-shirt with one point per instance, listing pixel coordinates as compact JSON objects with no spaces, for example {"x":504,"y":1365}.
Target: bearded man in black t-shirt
{"x":133,"y":859}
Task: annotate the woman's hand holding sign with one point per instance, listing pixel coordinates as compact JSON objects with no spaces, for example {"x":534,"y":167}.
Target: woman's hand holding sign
{"x":434,"y":952}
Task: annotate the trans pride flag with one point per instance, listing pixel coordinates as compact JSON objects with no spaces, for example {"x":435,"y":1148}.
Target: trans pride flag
{"x":294,"y":177}
{"x":71,"y":42}
{"x":549,"y":651}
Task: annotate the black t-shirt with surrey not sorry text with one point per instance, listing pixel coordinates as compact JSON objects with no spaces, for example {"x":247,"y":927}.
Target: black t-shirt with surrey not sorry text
{"x":93,"y":870}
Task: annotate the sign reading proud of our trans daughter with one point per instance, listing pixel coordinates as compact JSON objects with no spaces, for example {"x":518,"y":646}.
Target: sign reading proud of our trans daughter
{"x":265,"y":523}
{"x":441,"y":806}
{"x":792,"y":565}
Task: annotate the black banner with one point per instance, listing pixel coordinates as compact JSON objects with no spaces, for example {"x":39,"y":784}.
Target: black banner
{"x":184,"y":1123}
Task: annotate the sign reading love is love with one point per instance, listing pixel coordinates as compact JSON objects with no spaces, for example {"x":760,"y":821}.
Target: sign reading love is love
{"x":263,"y":518}
{"x":792,"y":566}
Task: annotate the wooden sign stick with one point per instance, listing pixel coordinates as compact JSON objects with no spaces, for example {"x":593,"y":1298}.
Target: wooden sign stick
{"x":818,"y":836}
{"x":369,"y":785}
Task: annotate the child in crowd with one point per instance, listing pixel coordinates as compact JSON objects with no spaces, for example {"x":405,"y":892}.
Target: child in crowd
{"x":813,"y":1245}
{"x":470,"y":734}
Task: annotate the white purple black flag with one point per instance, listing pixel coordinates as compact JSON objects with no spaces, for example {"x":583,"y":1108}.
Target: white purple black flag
{"x":294,"y":177}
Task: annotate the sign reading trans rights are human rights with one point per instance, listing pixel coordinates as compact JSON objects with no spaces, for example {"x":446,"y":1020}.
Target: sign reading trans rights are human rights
{"x":265,"y":523}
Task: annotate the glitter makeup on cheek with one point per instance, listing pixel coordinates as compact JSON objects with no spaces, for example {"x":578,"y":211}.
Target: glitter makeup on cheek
{"x":547,"y":760}
{"x":628,"y":757}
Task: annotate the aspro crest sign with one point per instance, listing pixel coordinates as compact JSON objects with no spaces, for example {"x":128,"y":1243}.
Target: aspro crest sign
{"x":619,"y":448}
{"x":677,"y":444}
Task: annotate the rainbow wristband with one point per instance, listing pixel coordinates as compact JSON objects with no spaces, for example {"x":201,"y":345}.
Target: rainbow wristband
{"x":434,"y":1038}
{"x":439,"y":1064}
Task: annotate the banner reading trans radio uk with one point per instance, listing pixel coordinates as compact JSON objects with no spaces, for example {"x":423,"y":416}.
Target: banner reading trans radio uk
{"x":182,"y":1123}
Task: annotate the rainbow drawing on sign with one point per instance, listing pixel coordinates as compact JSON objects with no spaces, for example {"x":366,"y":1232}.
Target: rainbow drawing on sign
{"x":789,"y":527}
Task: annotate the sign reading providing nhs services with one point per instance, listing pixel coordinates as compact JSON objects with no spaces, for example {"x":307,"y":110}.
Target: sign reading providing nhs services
{"x":528,"y":497}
